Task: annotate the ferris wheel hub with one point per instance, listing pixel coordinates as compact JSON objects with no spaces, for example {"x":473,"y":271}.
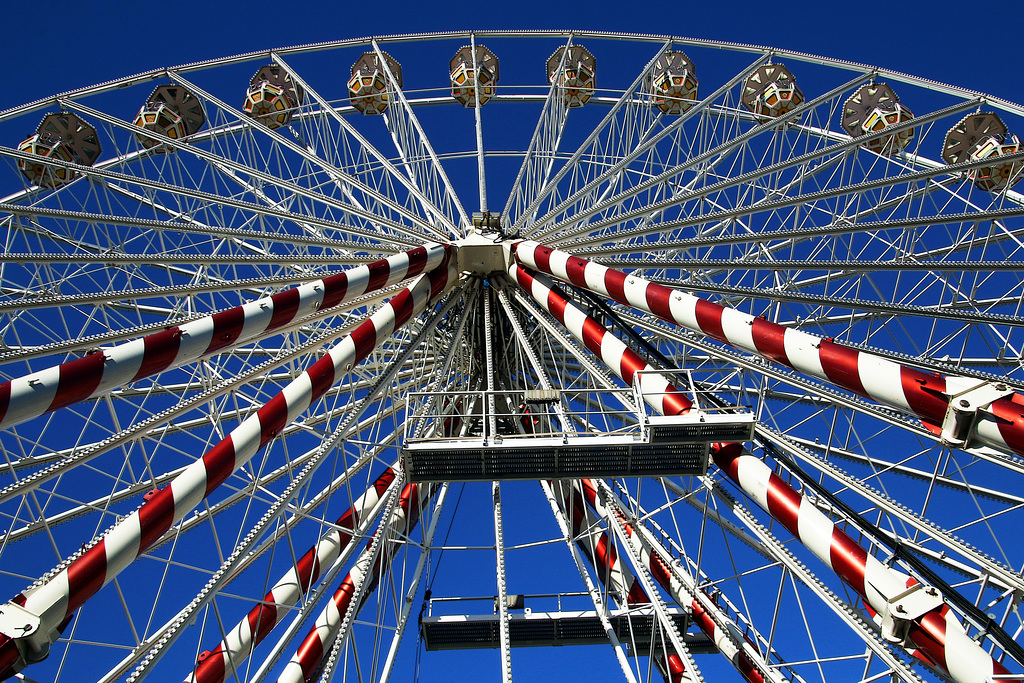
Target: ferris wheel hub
{"x":483,"y":254}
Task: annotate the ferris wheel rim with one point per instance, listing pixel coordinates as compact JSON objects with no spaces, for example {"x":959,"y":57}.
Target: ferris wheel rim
{"x":146,"y":76}
{"x":640,"y":38}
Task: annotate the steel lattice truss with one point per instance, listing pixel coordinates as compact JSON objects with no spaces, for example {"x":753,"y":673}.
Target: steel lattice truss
{"x":285,"y":398}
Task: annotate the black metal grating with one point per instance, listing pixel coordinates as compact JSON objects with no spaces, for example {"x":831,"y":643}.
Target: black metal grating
{"x":536,"y":631}
{"x":479,"y":463}
{"x":702,"y":432}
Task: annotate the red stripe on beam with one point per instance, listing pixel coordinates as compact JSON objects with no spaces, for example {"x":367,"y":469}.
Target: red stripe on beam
{"x":659,"y":300}
{"x":86,"y":575}
{"x":675,"y":669}
{"x":576,"y":269}
{"x":312,"y":649}
{"x":574,"y":503}
{"x":272,"y":417}
{"x":629,"y":365}
{"x":210,"y":667}
{"x":925,"y":394}
{"x":5,"y":398}
{"x":769,"y":340}
{"x":523,"y":278}
{"x":227,"y":326}
{"x":727,"y":458}
{"x":929,"y":635}
{"x":78,"y":379}
{"x":840,"y":365}
{"x":321,"y":377}
{"x":380,"y":271}
{"x":593,"y":334}
{"x":262,"y":619}
{"x":404,"y":305}
{"x":709,"y":319}
{"x":308,"y":566}
{"x":615,"y":283}
{"x":438,"y":279}
{"x":637,"y":595}
{"x":1009,"y":412}
{"x":784,"y":504}
{"x":417,"y":261}
{"x":310,"y":653}
{"x":660,"y":572}
{"x":220,"y":463}
{"x":286,"y":305}
{"x":703,"y":620}
{"x":674,"y":402}
{"x":556,"y":306}
{"x":747,"y":668}
{"x":335,"y":289}
{"x":542,"y":255}
{"x":159,"y":351}
{"x":604,"y":555}
{"x":589,"y":492}
{"x":848,"y":560}
{"x":155,"y":517}
{"x":364,"y":338}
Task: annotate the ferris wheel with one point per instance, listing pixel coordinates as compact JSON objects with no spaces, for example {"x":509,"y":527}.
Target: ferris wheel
{"x":512,"y":354}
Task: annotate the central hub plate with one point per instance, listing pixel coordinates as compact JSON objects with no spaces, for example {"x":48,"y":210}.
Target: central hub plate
{"x":482,"y":254}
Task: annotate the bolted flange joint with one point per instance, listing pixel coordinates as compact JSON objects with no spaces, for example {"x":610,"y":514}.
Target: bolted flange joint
{"x":961,"y":418}
{"x":901,"y":610}
{"x":26,"y":630}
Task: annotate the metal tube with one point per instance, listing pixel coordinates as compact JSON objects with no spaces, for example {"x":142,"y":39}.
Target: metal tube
{"x":348,"y":598}
{"x":937,"y":634}
{"x":926,"y":395}
{"x":41,"y":392}
{"x":624,"y":362}
{"x":216,"y":665}
{"x":54,"y":602}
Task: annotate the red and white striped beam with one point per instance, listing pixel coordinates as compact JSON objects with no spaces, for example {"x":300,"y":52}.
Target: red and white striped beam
{"x":214,"y":666}
{"x":596,"y":544}
{"x":361,"y":579}
{"x":29,"y":396}
{"x":56,"y":600}
{"x":598,"y":547}
{"x":938,"y":634}
{"x":619,"y":358}
{"x":908,"y":389}
{"x":657,"y":391}
{"x":730,"y":642}
{"x":725,"y":639}
{"x":664,"y":398}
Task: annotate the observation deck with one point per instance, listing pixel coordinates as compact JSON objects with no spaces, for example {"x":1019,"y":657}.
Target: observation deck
{"x":556,"y":434}
{"x":527,"y":628}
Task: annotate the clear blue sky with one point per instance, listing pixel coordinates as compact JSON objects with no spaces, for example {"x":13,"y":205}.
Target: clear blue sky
{"x":65,"y":44}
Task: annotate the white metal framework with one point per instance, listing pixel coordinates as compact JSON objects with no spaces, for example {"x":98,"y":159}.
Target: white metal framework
{"x":731,"y":386}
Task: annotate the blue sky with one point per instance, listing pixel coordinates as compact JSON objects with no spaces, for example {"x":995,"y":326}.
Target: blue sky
{"x":67,"y":44}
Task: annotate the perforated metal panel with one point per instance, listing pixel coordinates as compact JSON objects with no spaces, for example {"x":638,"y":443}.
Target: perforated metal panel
{"x":543,"y":629}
